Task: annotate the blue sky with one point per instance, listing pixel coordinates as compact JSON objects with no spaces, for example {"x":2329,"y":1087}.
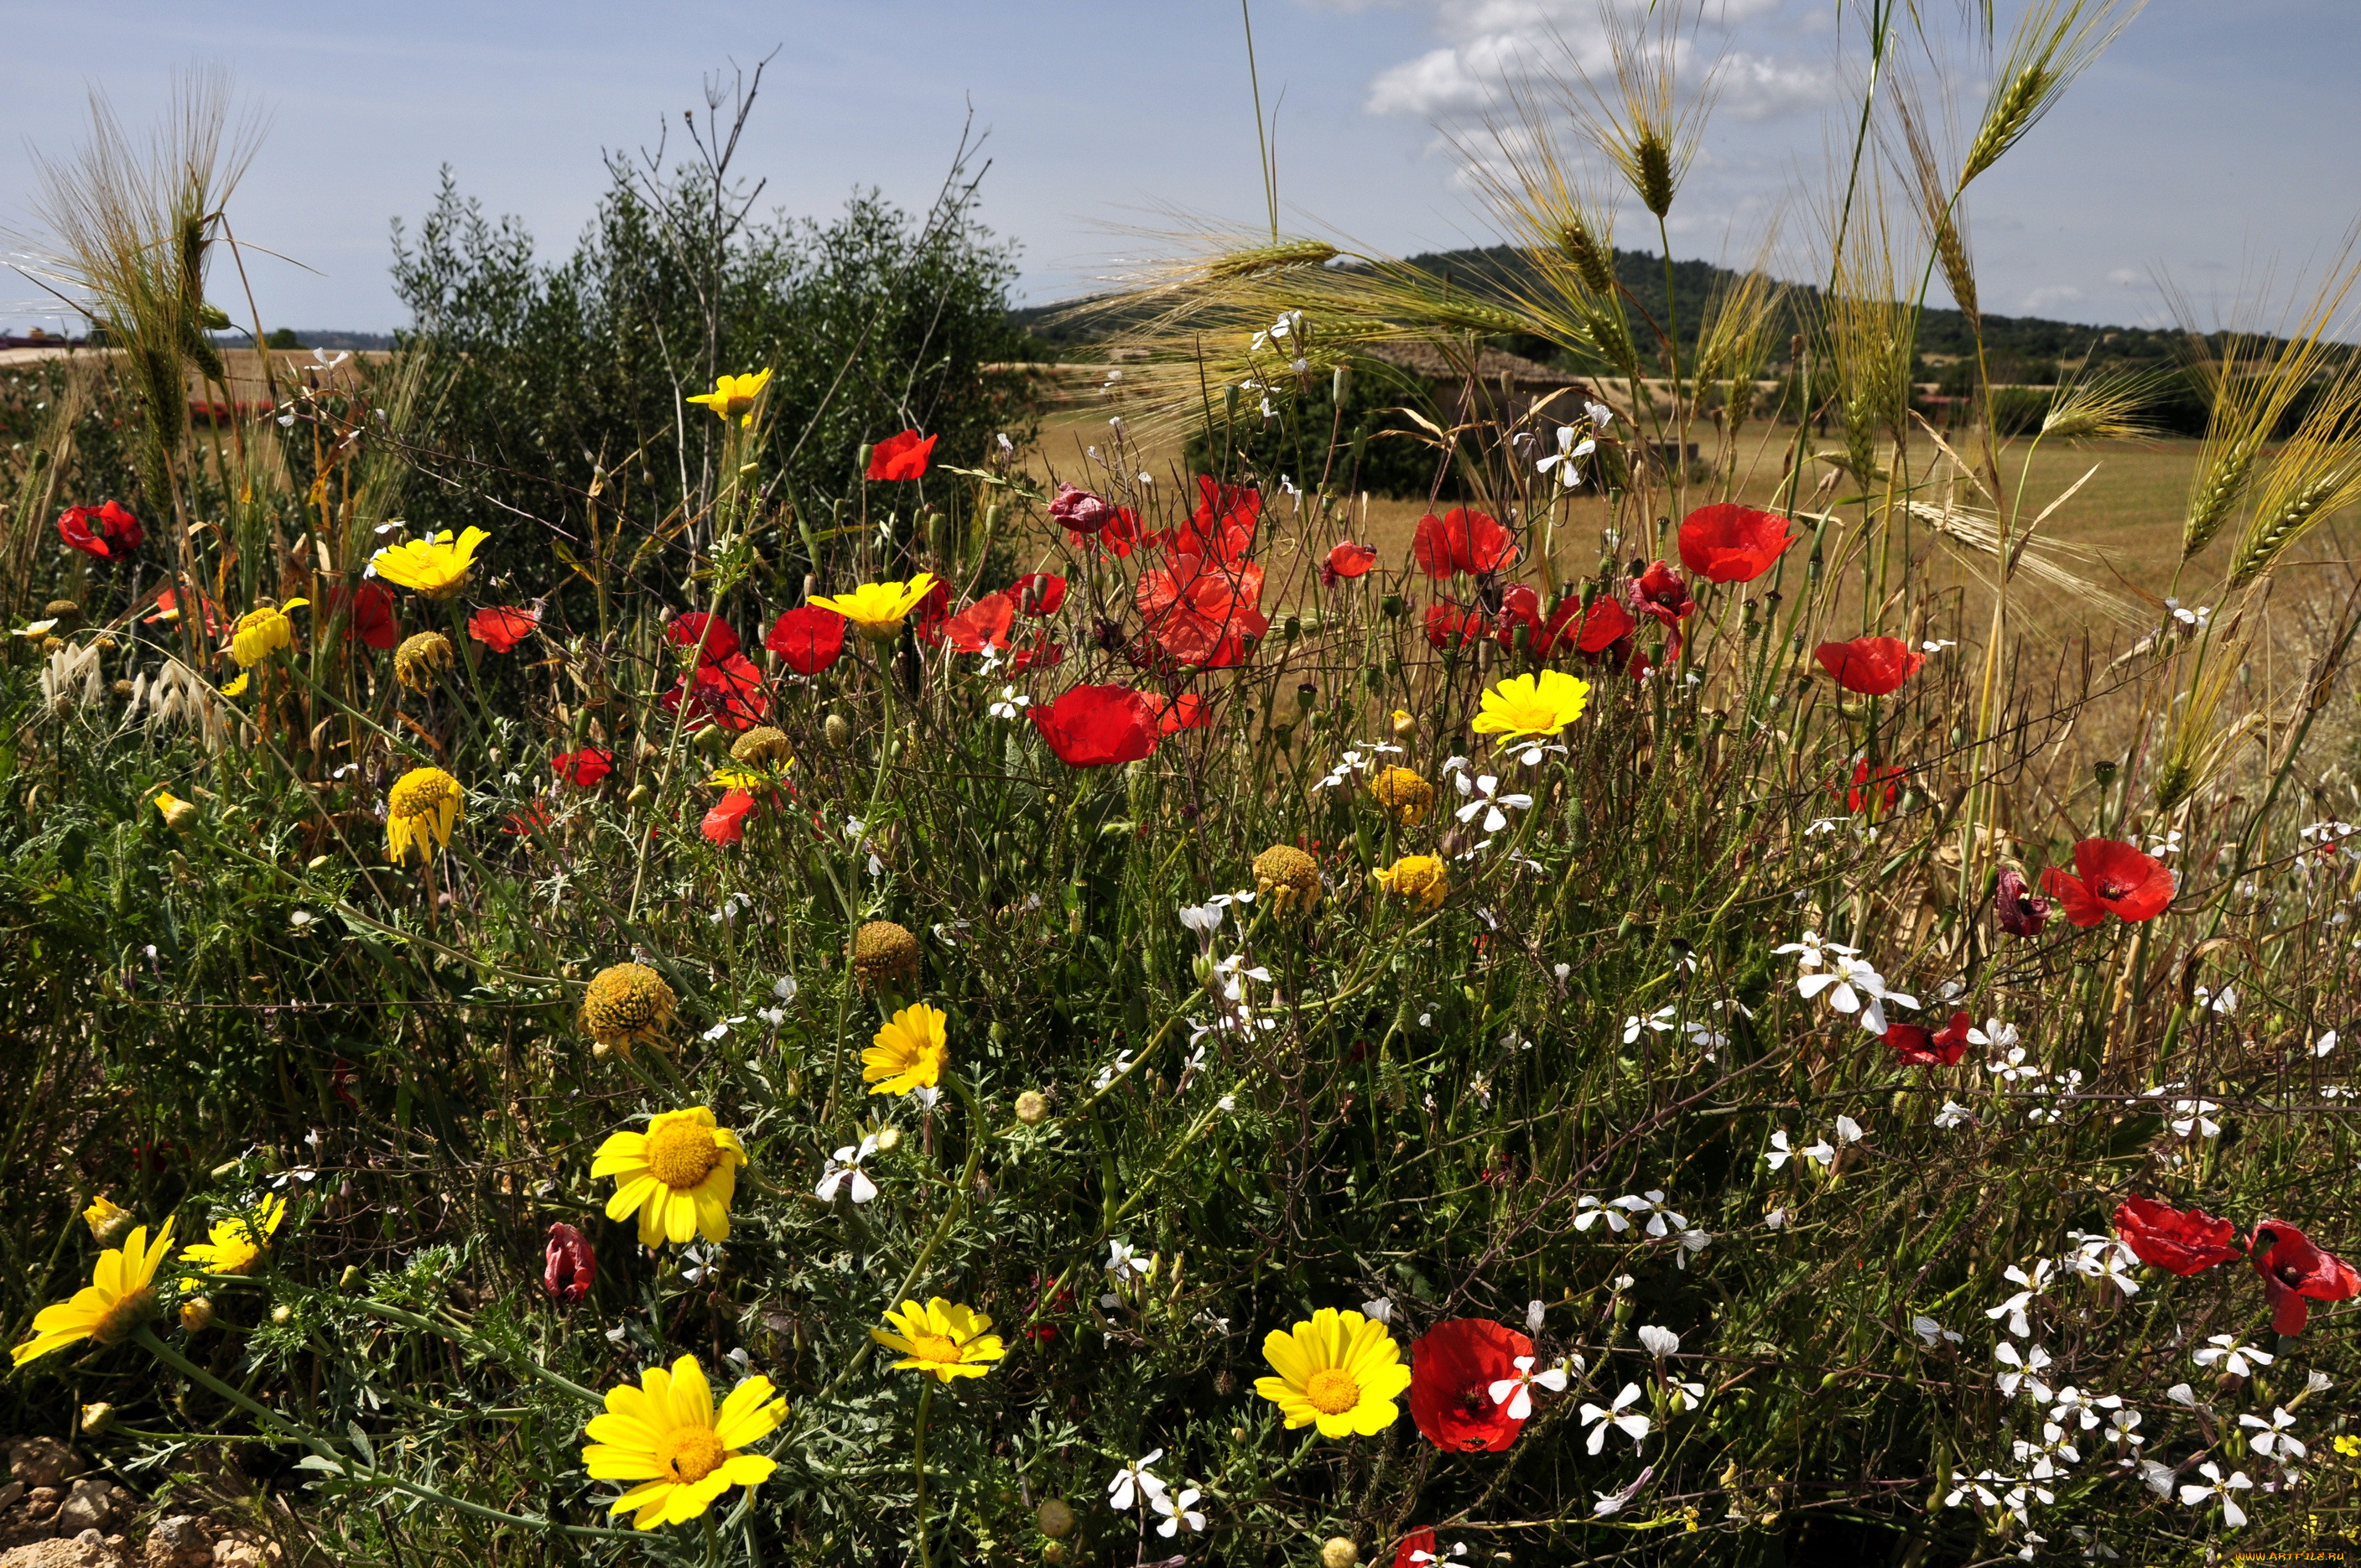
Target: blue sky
{"x":2213,"y":144}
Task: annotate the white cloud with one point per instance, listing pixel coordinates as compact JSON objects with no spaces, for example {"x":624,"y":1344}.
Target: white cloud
{"x":1490,"y":44}
{"x":2051,"y":295}
{"x":2126,"y":277}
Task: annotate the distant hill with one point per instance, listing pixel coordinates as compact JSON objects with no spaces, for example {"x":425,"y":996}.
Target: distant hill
{"x":2025,"y":347}
{"x":311,"y":337}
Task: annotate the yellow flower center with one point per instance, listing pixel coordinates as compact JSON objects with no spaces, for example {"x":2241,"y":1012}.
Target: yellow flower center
{"x":421,"y":793}
{"x":116,"y":1323}
{"x":1333,"y":1390}
{"x":690,"y":1453}
{"x":682,"y":1155}
{"x":934,"y":1347}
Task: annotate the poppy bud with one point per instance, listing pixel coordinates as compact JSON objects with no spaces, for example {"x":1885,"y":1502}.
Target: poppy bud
{"x":1056,"y":1518}
{"x":1339,"y":1552}
{"x":1392,"y":605}
{"x":888,"y":1139}
{"x":1032,"y":1108}
{"x":837,"y":731}
{"x":568,"y":1265}
{"x":197,"y":1314}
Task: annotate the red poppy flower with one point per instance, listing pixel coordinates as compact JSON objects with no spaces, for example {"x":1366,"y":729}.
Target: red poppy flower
{"x":1080,"y":512}
{"x":568,"y":1267}
{"x":1222,"y":529}
{"x":1918,"y":1047}
{"x":369,"y":613}
{"x":1038,"y":594}
{"x":1858,"y":797}
{"x":2175,"y":1242}
{"x":1870,"y":665}
{"x":807,"y":638}
{"x":2017,"y":909}
{"x":535,"y":818}
{"x":727,"y":692}
{"x":2112,"y":878}
{"x":585,"y":768}
{"x":2296,"y":1274}
{"x":1660,"y":594}
{"x":1041,"y":655}
{"x":1604,"y":624}
{"x":902,"y":457}
{"x":168,"y":608}
{"x":100,"y":530}
{"x":1417,"y":1550}
{"x":726,"y":823}
{"x":981,"y":625}
{"x":1092,"y":727}
{"x":1203,"y":612}
{"x":500,"y":628}
{"x":1452,"y":1367}
{"x":709,"y":634}
{"x":1448,"y":626}
{"x":1727,"y":542}
{"x":1346,"y":561}
{"x":1521,"y":606}
{"x":1118,"y":538}
{"x":1187,"y":711}
{"x":1461,"y":541}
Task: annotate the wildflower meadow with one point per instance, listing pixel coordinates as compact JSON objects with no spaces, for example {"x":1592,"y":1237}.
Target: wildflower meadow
{"x":805,"y":976}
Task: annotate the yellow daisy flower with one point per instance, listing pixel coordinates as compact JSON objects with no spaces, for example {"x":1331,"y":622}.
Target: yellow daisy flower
{"x":733,"y":396}
{"x":1541,"y":704}
{"x":437,"y":567}
{"x":680,"y":1175}
{"x":941,"y":1339}
{"x":1339,"y":1372}
{"x":1424,"y":880}
{"x":906,"y":1053}
{"x":233,"y":1247}
{"x":666,"y":1435}
{"x":419,"y":810}
{"x":121,"y":1296}
{"x":106,"y":1219}
{"x":879,"y":608}
{"x":237,"y":687}
{"x":262,"y":632}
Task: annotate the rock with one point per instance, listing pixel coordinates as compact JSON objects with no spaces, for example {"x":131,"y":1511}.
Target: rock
{"x":90,"y":1506}
{"x":42,"y":1461}
{"x":88,"y":1549}
{"x":42,"y":1501}
{"x":11,"y":1495}
{"x":177,"y":1542}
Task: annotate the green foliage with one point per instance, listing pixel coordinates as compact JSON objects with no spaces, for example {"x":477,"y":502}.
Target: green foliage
{"x":558,"y":385}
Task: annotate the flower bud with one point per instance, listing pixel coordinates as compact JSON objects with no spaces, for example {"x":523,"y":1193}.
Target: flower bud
{"x":351,"y":1278}
{"x":1339,"y":1552}
{"x":197,"y":1314}
{"x":1405,"y":724}
{"x":281,"y":1315}
{"x":837,"y":730}
{"x":97,"y":1417}
{"x":1032,"y":1107}
{"x":888,"y":1139}
{"x":1056,"y":1518}
{"x":1053,"y":1551}
{"x":107,"y":1221}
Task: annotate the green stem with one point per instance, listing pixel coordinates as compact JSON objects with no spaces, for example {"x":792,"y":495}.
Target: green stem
{"x":919,"y":1462}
